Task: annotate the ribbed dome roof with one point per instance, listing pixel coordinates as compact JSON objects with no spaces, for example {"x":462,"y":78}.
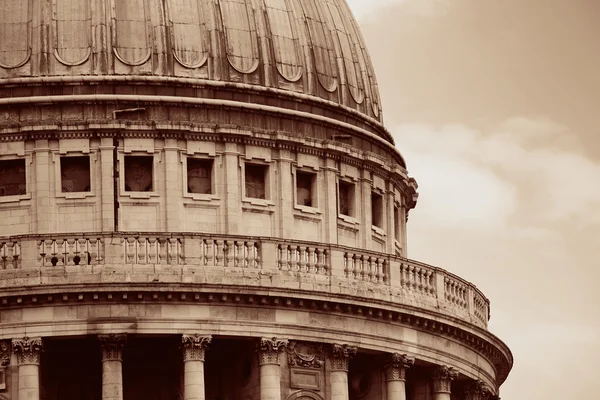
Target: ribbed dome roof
{"x":313,"y":47}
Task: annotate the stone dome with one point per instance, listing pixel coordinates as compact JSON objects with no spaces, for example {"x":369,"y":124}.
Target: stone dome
{"x":309,"y":49}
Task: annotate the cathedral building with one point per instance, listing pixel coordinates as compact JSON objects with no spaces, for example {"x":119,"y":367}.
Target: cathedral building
{"x":199,"y":201}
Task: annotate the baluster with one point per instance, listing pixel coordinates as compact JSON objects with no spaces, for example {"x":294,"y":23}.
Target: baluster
{"x":142,"y":251}
{"x":380,"y":272}
{"x":280,"y":257}
{"x":229,"y":253}
{"x":302,"y":259}
{"x":93,"y":252}
{"x":249,"y":253}
{"x":173,"y":251}
{"x":208,"y":251}
{"x":60,"y":252}
{"x":41,"y":254}
{"x":7,"y":255}
{"x":241,"y":256}
{"x":312,"y":267}
{"x":258,"y":255}
{"x":130,"y":244}
{"x":48,"y":252}
{"x":219,"y":253}
{"x":81,"y":251}
{"x":69,"y":252}
{"x":320,"y":266}
{"x":293,"y":258}
{"x":152,"y":251}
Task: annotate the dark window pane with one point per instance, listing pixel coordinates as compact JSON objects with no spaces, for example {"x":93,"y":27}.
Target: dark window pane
{"x":75,"y":174}
{"x":199,"y":176}
{"x":255,"y":176}
{"x":138,"y":173}
{"x":12,"y":177}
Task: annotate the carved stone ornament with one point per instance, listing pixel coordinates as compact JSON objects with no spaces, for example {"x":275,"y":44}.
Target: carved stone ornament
{"x":4,"y":353}
{"x":27,"y":350}
{"x":442,"y":379}
{"x":269,"y":349}
{"x":395,"y":370}
{"x":477,"y":390}
{"x":340,"y":356}
{"x":112,"y":346}
{"x":194,"y":346}
{"x":305,"y":355}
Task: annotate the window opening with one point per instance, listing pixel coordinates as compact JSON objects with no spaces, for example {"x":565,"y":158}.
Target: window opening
{"x":75,"y":174}
{"x":346,"y":190}
{"x":12,"y":177}
{"x":199,"y":176}
{"x":377,"y":209}
{"x":138,"y":173}
{"x":305,"y":193}
{"x":256,"y":177}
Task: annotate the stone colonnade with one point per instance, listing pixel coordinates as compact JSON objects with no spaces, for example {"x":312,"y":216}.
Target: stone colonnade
{"x":27,"y":352}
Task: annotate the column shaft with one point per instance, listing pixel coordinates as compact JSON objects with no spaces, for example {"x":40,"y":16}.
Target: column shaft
{"x":270,"y":371}
{"x":112,"y":380}
{"x":339,"y":385}
{"x":193,"y":380}
{"x":396,"y":390}
{"x":440,"y":396}
{"x":29,"y":382}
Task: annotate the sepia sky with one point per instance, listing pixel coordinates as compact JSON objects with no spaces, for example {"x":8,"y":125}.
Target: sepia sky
{"x":496,"y":107}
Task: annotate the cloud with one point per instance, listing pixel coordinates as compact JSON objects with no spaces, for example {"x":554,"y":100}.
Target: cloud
{"x":524,"y":172}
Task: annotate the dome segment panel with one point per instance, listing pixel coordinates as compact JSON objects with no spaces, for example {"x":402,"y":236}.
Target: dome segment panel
{"x":285,"y":39}
{"x":68,"y":17}
{"x":130,"y":34}
{"x":322,"y":46}
{"x":188,"y":31}
{"x":348,"y":53}
{"x":15,"y":25}
{"x":240,"y":35}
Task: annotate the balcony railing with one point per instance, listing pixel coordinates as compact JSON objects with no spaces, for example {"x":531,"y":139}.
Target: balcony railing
{"x":354,"y":271}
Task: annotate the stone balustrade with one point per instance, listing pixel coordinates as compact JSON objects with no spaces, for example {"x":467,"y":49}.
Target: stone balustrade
{"x":360,"y":272}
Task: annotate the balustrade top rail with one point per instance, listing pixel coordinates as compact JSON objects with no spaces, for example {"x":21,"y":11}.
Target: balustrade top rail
{"x":421,"y":285}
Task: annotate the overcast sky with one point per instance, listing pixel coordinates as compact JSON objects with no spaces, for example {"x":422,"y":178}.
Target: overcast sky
{"x":496,"y":108}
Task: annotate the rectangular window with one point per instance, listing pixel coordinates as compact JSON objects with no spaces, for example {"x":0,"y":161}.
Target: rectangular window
{"x":199,"y":176}
{"x":377,"y":210}
{"x":12,"y":177}
{"x":256,"y":180}
{"x":346,"y":191}
{"x":75,"y":174}
{"x":306,"y":189}
{"x":138,"y":173}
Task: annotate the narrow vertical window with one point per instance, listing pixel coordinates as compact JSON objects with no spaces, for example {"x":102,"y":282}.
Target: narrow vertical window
{"x":306,"y":189}
{"x":75,"y":174}
{"x":199,"y":176}
{"x":377,"y":210}
{"x":138,"y":173}
{"x":397,"y":223}
{"x":12,"y":177}
{"x":346,"y":195}
{"x":255,"y":176}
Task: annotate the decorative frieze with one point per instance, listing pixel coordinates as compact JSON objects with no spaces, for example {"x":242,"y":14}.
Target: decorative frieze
{"x":477,"y":390}
{"x":341,"y":355}
{"x":395,"y":370}
{"x":305,"y":355}
{"x":27,"y":350}
{"x":269,"y":350}
{"x":442,"y":379}
{"x":5,"y":353}
{"x":112,"y":346}
{"x":194,"y":346}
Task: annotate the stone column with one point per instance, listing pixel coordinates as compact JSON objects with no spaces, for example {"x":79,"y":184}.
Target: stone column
{"x":194,"y":348}
{"x":28,"y":358}
{"x":270,"y":371}
{"x":112,"y":365}
{"x":442,"y":381}
{"x":395,"y":376}
{"x":340,"y":358}
{"x":477,"y":390}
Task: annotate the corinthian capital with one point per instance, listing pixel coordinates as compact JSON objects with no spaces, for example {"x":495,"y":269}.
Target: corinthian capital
{"x":269,"y":350}
{"x":194,"y":346}
{"x":27,"y":350}
{"x":395,"y":370}
{"x":442,"y":379}
{"x":477,"y":390}
{"x":341,"y":355}
{"x":112,"y":346}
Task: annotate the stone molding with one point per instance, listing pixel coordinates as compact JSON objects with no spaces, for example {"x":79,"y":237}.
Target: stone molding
{"x":341,"y":355}
{"x":442,"y":379}
{"x":112,"y":346}
{"x":396,"y":369}
{"x":269,"y":349}
{"x":195,"y":346}
{"x":305,"y":355}
{"x":28,"y":350}
{"x":477,"y":390}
